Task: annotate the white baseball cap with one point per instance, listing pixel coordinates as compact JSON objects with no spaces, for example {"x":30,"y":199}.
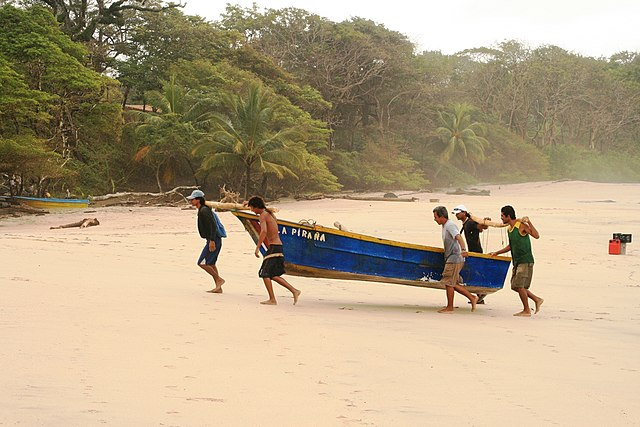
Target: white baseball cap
{"x":458,"y":209}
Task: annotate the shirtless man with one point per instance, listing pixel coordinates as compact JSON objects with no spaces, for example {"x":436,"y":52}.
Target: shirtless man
{"x":273,"y":264}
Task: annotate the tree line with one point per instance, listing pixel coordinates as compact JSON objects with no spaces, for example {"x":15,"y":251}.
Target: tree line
{"x":102,"y":96}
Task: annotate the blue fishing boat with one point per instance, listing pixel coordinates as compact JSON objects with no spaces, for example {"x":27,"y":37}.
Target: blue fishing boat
{"x":316,"y":251}
{"x":53,"y":203}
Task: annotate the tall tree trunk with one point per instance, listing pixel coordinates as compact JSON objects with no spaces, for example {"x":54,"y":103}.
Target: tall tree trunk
{"x":247,"y":185}
{"x":193,"y":172}
{"x":263,"y":185}
{"x":158,"y":178}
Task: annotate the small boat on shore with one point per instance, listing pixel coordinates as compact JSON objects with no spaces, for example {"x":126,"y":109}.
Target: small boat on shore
{"x":52,"y":203}
{"x":315,"y":251}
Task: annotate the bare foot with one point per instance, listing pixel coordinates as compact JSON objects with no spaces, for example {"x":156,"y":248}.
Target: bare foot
{"x":445,"y":310}
{"x":296,"y":294}
{"x":539,"y":304}
{"x":268,"y":302}
{"x":523,"y":314}
{"x":474,"y":301}
{"x":219,"y":283}
{"x":215,"y":291}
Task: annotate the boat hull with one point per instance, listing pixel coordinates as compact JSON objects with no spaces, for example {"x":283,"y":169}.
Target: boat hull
{"x":317,"y":251}
{"x":52,"y":203}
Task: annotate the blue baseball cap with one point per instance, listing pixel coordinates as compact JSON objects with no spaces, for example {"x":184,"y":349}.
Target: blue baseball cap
{"x":194,"y":194}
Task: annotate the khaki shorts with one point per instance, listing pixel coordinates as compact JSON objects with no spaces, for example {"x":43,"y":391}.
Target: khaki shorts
{"x":451,"y":274}
{"x":521,"y":276}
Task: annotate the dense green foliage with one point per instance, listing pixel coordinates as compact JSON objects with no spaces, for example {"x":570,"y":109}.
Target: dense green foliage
{"x":137,"y":95}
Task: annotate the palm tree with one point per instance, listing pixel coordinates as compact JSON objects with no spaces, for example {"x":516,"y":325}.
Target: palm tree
{"x":462,"y":140}
{"x":246,"y":139}
{"x":169,"y":133}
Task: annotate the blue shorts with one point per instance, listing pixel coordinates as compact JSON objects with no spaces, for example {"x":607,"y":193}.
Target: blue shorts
{"x":210,"y":258}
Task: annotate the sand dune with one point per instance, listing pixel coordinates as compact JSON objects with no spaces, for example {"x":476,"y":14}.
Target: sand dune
{"x":111,"y":324}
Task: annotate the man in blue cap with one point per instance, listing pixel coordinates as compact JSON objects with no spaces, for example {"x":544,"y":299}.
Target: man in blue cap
{"x":209,"y":231}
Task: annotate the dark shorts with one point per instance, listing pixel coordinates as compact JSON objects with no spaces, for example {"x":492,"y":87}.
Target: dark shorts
{"x":273,"y":263}
{"x":207,"y":257}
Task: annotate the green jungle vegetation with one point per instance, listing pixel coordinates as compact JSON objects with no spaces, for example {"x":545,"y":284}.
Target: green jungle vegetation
{"x":101,"y":96}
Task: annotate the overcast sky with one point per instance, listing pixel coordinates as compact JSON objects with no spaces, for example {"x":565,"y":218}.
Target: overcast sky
{"x":588,"y":27}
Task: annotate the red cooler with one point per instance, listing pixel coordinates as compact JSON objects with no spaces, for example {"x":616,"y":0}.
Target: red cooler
{"x":614,"y":247}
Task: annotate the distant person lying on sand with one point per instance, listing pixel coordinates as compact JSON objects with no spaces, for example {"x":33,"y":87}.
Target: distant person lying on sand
{"x":87,"y":222}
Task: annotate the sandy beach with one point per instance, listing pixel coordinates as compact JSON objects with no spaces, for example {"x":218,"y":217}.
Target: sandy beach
{"x":112,"y":325}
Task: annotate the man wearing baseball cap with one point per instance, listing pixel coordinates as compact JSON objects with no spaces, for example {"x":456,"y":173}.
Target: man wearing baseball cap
{"x":209,"y":231}
{"x":471,"y":230}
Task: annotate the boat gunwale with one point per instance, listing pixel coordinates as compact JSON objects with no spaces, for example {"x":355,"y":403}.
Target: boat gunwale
{"x":364,"y":237}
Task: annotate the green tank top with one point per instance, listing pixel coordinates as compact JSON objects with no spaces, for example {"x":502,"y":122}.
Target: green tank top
{"x":520,"y":246}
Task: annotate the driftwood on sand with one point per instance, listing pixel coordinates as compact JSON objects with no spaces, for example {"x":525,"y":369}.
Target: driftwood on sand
{"x":17,"y":210}
{"x":376,"y":199}
{"x":172,"y":197}
{"x":314,"y":196}
{"x":470,"y":192}
{"x":87,"y":222}
{"x":229,"y":196}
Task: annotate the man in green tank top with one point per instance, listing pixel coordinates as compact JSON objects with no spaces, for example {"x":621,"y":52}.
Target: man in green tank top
{"x":519,"y":231}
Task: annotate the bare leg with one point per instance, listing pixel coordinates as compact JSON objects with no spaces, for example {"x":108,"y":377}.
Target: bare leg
{"x":219,"y":281}
{"x":296,"y":293}
{"x":272,"y":297}
{"x":472,"y":298}
{"x":450,"y":294}
{"x":536,"y":299}
{"x":524,"y":297}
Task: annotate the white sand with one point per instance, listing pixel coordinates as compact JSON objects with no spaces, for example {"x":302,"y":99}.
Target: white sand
{"x":111,"y":324}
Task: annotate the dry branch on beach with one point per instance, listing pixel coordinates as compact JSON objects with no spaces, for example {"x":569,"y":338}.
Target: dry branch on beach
{"x":17,"y":210}
{"x":376,"y":199}
{"x":171,"y":197}
{"x":470,"y":192}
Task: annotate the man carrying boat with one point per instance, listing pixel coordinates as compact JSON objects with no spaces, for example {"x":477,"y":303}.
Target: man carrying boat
{"x":519,"y":231}
{"x":273,"y":263}
{"x":471,"y":230}
{"x":209,"y":231}
{"x":454,"y":254}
